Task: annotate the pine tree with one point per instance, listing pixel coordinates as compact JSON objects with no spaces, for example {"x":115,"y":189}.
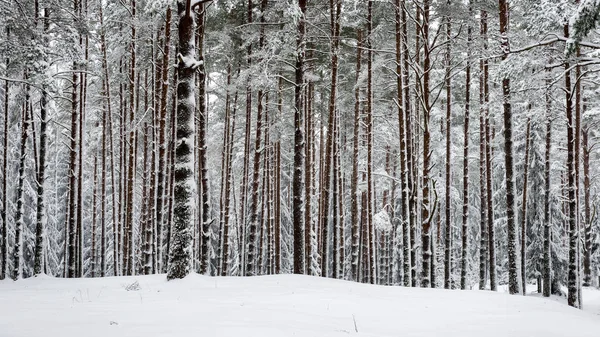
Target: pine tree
{"x":508,"y":155}
{"x":180,"y":253}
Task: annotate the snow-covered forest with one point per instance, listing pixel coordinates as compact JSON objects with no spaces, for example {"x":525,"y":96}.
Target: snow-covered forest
{"x":426,"y":143}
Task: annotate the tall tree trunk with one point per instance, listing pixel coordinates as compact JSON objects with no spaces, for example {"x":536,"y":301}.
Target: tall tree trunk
{"x":108,"y":129}
{"x":339,"y":186}
{"x":513,"y":281}
{"x":587,"y":248}
{"x":354,"y":215}
{"x":103,"y":188}
{"x":161,"y":178}
{"x":483,"y":244}
{"x":577,"y":135}
{"x":426,"y":212}
{"x":72,"y":220}
{"x":326,"y":183}
{"x":297,"y":188}
{"x":4,"y":238}
{"x":334,"y":205}
{"x":146,"y":230}
{"x":84,"y":43}
{"x":180,"y":254}
{"x":93,"y":258}
{"x":19,"y":222}
{"x":489,"y":167}
{"x":572,"y":297}
{"x":413,"y":153}
{"x":369,"y":122}
{"x":465,"y":210}
{"x":202,"y":146}
{"x":40,"y":211}
{"x":408,"y":225}
{"x":524,"y":211}
{"x":128,"y":230}
{"x":308,"y":178}
{"x":547,"y":257}
{"x":227,"y":175}
{"x":251,"y":268}
{"x":448,"y":231}
{"x":247,"y":148}
{"x":402,"y":124}
{"x":277,"y":210}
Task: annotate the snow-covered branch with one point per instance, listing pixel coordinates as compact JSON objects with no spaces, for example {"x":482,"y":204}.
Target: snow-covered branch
{"x":195,"y":3}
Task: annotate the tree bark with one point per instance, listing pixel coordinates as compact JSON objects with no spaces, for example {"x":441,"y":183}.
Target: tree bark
{"x":465,"y":210}
{"x":297,"y":188}
{"x":483,"y":244}
{"x":369,"y":122}
{"x":180,"y":254}
{"x":524,"y":211}
{"x":19,"y":222}
{"x":253,"y":252}
{"x":572,"y":297}
{"x":426,"y":212}
{"x":354,"y":213}
{"x":547,"y":256}
{"x":448,"y":231}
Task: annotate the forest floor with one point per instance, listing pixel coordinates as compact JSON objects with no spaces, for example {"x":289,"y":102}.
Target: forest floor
{"x":276,"y":306}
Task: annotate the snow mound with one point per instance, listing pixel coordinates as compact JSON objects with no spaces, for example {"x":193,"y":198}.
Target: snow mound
{"x":274,"y":306}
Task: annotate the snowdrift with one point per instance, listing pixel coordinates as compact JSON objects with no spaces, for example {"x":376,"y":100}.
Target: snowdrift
{"x":274,"y":306}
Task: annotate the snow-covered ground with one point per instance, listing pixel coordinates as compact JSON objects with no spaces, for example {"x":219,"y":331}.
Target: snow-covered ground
{"x":276,"y":306}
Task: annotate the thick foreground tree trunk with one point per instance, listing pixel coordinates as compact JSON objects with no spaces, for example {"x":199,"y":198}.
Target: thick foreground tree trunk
{"x":180,"y":254}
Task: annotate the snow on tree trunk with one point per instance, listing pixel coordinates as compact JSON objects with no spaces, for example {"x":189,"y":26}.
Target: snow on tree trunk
{"x":483,"y":243}
{"x":572,"y":279}
{"x":4,"y":237}
{"x":354,"y":219}
{"x":547,"y":258}
{"x":524,"y":212}
{"x":448,"y":84}
{"x":19,"y":222}
{"x":298,"y":181}
{"x":180,"y":253}
{"x":40,"y":211}
{"x":513,"y":281}
{"x":465,"y":210}
{"x":426,"y":210}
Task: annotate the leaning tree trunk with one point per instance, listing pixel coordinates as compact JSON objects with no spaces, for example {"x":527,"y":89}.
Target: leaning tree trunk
{"x":180,"y":254}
